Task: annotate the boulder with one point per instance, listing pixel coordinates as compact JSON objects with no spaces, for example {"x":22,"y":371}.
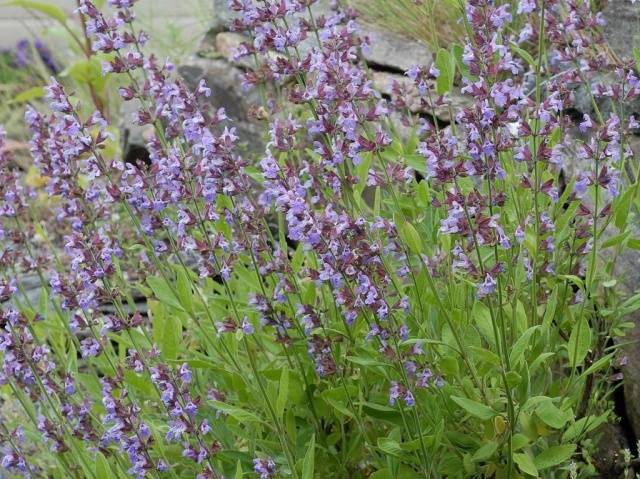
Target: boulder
{"x":622,"y":34}
{"x":225,"y":80}
{"x":388,"y":50}
{"x":621,"y":31}
{"x":393,"y":51}
{"x":628,"y":276}
{"x":608,"y":453}
{"x":606,"y":106}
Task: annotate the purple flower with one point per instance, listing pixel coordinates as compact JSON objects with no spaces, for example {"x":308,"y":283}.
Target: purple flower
{"x":89,"y":347}
{"x":265,"y":467}
{"x":424,"y":378}
{"x":586,"y":124}
{"x":185,"y":373}
{"x":487,"y":287}
{"x":394,"y":393}
{"x":526,"y":6}
{"x":247,"y":327}
{"x":177,"y":429}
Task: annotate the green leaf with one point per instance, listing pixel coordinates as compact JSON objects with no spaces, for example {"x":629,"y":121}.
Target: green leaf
{"x":29,"y":94}
{"x":72,"y":355}
{"x":579,"y":342}
{"x":377,"y":202}
{"x":552,"y":415}
{"x":238,"y":470}
{"x":383,"y":413}
{"x":283,"y":392}
{"x":235,"y":412}
{"x":167,"y":330}
{"x":449,"y":365}
{"x":616,"y":240}
{"x":458,"y":52}
{"x":521,"y":345}
{"x":574,"y":279}
{"x":164,"y":292}
{"x":622,"y":204}
{"x":103,"y":471}
{"x":525,"y":464}
{"x":524,"y":54}
{"x":553,"y":456}
{"x":310,"y":293}
{"x":513,"y":379}
{"x":381,"y":474}
{"x":583,"y":426}
{"x":444,"y":64}
{"x":183,"y":289}
{"x":49,"y":9}
{"x":482,"y":318}
{"x":308,"y":465}
{"x":410,"y":237}
{"x":475,"y":408}
{"x":298,"y":258}
{"x":362,"y":361}
{"x":600,"y":364}
{"x":390,"y":446}
{"x":519,"y":441}
{"x":486,"y":451}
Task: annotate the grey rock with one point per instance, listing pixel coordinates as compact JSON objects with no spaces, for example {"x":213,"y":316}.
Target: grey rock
{"x":224,"y":16}
{"x":628,"y":274}
{"x":388,"y":49}
{"x":224,"y":44}
{"x":622,"y":34}
{"x":225,"y":80}
{"x":227,"y":42}
{"x":632,"y":375}
{"x":583,"y":101}
{"x":135,"y":134}
{"x":394,"y":51}
{"x":622,"y":30}
{"x":31,"y":286}
{"x":608,"y":454}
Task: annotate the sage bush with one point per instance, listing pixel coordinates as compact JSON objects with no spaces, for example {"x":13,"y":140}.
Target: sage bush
{"x":375,"y":295}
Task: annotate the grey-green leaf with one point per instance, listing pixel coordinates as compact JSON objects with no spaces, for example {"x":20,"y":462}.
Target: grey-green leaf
{"x":308,"y":465}
{"x":553,"y":456}
{"x":475,"y":408}
{"x":579,"y":342}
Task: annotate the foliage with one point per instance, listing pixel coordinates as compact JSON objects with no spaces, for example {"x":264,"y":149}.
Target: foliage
{"x":366,"y":298}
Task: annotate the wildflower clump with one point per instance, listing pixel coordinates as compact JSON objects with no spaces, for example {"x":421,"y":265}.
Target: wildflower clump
{"x":376,"y":294}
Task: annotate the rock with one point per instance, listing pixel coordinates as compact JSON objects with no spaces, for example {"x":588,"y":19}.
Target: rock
{"x":226,"y":43}
{"x":30,"y":289}
{"x":383,"y":81}
{"x":621,"y":33}
{"x":454,"y":101}
{"x":393,"y":51}
{"x":606,"y":106}
{"x":628,"y":275}
{"x":632,"y":373}
{"x":608,"y":454}
{"x":388,"y":50}
{"x":223,"y":16}
{"x":621,"y":30}
{"x":225,"y":80}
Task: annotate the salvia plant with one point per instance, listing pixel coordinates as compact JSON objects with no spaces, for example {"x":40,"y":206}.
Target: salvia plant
{"x":374,"y":295}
